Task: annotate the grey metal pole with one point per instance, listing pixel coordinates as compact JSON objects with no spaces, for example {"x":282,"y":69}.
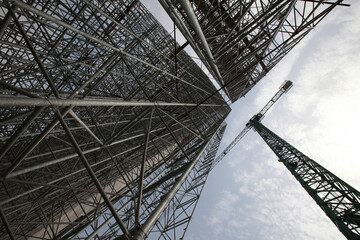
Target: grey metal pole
{"x":235,"y":25}
{"x":142,"y":170}
{"x":6,"y":20}
{"x":195,"y":24}
{"x":7,"y":226}
{"x":150,"y":222}
{"x":36,"y":57}
{"x":62,"y":159}
{"x":93,"y":176}
{"x":55,"y":180}
{"x":61,"y":23}
{"x":105,"y":223}
{"x":85,"y":126}
{"x":34,"y":144}
{"x":20,"y":131}
{"x":51,"y":185}
{"x":22,"y":101}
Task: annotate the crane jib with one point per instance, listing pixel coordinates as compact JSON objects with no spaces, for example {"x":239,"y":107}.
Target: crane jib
{"x":285,"y":87}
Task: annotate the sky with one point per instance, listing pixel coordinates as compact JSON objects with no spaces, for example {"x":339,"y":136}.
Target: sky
{"x":250,"y":195}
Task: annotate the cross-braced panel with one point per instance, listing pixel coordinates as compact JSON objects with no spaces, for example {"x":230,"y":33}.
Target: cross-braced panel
{"x":240,"y":41}
{"x":175,"y":217}
{"x":175,"y":220}
{"x":92,"y":103}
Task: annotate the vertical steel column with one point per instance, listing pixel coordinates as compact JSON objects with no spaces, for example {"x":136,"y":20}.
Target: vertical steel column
{"x":6,"y":224}
{"x":27,"y":122}
{"x":142,"y":170}
{"x":186,"y":5}
{"x":6,"y":20}
{"x":92,"y":174}
{"x":150,"y":222}
{"x":36,"y":57}
{"x":339,"y":201}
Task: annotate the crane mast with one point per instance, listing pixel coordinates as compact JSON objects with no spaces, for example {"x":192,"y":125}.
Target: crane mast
{"x":339,"y":200}
{"x":285,"y":87}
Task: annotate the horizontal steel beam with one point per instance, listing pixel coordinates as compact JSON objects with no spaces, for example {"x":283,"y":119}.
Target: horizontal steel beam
{"x":22,"y":101}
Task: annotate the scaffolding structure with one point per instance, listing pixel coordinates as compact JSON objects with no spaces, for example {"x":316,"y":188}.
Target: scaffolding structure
{"x":92,"y":101}
{"x":241,"y":41}
{"x":108,"y":128}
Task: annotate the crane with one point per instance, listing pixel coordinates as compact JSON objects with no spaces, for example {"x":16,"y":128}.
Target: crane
{"x":285,"y":87}
{"x":339,"y":200}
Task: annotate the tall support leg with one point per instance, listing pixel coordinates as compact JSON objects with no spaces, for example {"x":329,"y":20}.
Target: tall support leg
{"x":142,"y":232}
{"x":339,"y":201}
{"x":6,"y":224}
{"x":92,"y":175}
{"x":6,"y":20}
{"x":142,"y":170}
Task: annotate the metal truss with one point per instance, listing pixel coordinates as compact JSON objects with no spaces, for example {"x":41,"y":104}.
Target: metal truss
{"x":339,"y":201}
{"x":285,"y":87}
{"x":176,"y":218}
{"x":240,"y":41}
{"x":178,"y":183}
{"x":105,"y":122}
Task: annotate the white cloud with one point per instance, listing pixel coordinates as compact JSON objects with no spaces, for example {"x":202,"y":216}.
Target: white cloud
{"x":223,"y":212}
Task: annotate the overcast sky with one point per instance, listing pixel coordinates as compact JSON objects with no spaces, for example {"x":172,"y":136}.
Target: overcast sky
{"x":250,"y":195}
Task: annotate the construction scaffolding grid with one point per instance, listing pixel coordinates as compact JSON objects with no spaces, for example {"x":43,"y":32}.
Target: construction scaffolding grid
{"x":241,"y":41}
{"x":98,"y":55}
{"x":108,"y":128}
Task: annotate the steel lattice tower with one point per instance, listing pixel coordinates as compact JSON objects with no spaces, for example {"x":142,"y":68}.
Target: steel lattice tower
{"x":108,"y":128}
{"x":240,"y":41}
{"x":98,"y":123}
{"x":339,"y":201}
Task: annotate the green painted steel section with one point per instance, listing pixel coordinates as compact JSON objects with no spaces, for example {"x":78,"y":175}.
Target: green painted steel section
{"x":339,"y":201}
